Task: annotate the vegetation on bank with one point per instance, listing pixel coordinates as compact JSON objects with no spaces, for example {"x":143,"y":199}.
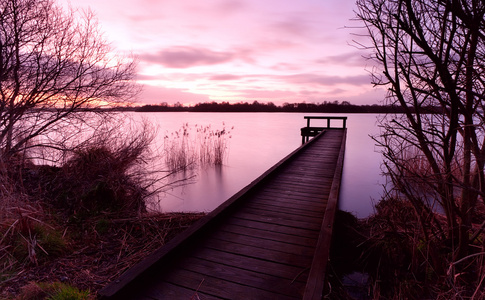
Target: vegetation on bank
{"x":325,"y":107}
{"x":390,"y":257}
{"x":72,"y":228}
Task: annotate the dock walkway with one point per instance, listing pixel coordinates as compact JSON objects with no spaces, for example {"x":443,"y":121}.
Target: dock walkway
{"x":269,"y":241}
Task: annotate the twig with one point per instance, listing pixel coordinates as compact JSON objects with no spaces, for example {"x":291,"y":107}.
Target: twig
{"x":463,"y":259}
{"x":123,"y":243}
{"x":198,"y":287}
{"x":478,"y":287}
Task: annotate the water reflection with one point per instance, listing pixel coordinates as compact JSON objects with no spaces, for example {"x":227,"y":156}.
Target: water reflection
{"x":361,"y":179}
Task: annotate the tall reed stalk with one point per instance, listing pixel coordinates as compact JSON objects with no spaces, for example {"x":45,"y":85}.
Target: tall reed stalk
{"x":178,"y":150}
{"x":185,"y":150}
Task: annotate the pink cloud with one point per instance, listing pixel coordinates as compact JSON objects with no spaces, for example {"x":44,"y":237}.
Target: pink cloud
{"x":225,"y":77}
{"x":157,"y":94}
{"x":351,"y":59}
{"x":230,"y":6}
{"x":264,"y":94}
{"x":186,"y":57}
{"x":294,"y":26}
{"x":283,"y":66}
{"x":326,"y":79}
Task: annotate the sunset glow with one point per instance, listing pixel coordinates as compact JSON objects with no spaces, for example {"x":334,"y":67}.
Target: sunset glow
{"x":239,"y":50}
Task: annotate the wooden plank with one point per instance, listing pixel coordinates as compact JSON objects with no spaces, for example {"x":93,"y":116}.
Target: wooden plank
{"x":290,"y":200}
{"x":299,"y":198}
{"x":304,"y":178}
{"x":317,"y":175}
{"x":318,"y":169}
{"x":251,"y":223}
{"x":294,"y":184}
{"x":289,"y":192}
{"x":292,"y":210}
{"x":276,"y":213}
{"x":290,"y":184}
{"x":274,"y":236}
{"x":272,"y":220}
{"x":260,"y":242}
{"x":257,"y":280}
{"x":304,"y":166}
{"x":296,"y":195}
{"x":165,"y":290}
{"x":275,"y":269}
{"x":279,"y":257}
{"x":313,"y":194}
{"x":219,"y":288}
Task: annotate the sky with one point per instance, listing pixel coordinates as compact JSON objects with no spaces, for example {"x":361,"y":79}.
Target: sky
{"x":239,"y":50}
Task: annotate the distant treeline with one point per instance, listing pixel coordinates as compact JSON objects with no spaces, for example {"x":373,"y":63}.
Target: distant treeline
{"x":325,"y":107}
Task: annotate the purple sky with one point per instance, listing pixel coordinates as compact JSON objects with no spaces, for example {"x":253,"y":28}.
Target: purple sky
{"x":239,"y":50}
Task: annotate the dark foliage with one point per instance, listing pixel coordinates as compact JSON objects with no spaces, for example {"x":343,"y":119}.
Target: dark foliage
{"x":325,"y":107}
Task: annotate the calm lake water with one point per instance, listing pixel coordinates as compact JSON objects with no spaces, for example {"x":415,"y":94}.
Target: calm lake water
{"x":260,"y":140}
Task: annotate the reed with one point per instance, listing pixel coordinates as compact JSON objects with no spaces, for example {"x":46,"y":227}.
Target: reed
{"x":199,"y":145}
{"x":178,"y":150}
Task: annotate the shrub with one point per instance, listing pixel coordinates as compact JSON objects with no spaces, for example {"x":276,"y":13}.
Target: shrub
{"x":97,"y":179}
{"x":107,"y":174}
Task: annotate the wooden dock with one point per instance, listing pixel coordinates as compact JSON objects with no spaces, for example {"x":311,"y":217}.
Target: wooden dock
{"x":269,"y":241}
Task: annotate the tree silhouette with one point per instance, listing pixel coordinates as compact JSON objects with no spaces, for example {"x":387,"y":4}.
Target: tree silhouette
{"x":432,"y":54}
{"x":54,"y":64}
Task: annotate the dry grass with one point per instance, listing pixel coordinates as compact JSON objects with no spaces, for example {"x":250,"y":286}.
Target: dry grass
{"x":100,"y":250}
{"x":19,"y":221}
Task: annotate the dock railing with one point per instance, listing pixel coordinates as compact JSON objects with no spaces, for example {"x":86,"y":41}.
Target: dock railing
{"x":308,"y":131}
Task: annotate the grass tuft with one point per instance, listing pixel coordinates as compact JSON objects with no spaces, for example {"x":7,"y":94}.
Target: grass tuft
{"x":52,"y":291}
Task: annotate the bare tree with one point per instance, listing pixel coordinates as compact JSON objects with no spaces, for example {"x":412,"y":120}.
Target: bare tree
{"x":431,"y":56}
{"x":54,"y":64}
